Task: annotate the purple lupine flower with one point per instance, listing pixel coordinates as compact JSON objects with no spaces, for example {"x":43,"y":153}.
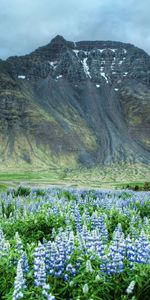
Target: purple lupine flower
{"x":52,"y":258}
{"x":116,"y":252}
{"x":94,"y":220}
{"x":113,"y":263}
{"x":70,"y":269}
{"x":78,"y":220}
{"x":116,"y":266}
{"x":143,"y":249}
{"x":130,"y":250}
{"x":24,"y":262}
{"x":39,"y":272}
{"x":104,"y":234}
{"x":118,"y":242}
{"x":86,"y":217}
{"x":70,"y":244}
{"x":39,"y":265}
{"x":98,"y":246}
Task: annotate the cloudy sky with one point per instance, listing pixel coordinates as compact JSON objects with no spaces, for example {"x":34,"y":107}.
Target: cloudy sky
{"x":28,"y":24}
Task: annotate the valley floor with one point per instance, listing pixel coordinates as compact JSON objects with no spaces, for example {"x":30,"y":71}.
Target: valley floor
{"x":105,"y":177}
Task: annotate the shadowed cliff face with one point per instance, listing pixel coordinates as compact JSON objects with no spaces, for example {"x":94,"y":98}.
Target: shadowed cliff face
{"x":70,"y":104}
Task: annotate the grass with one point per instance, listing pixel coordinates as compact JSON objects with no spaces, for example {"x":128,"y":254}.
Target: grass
{"x":3,"y":187}
{"x":105,"y":177}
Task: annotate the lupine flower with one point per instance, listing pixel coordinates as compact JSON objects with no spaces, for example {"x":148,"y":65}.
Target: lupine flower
{"x":4,"y":245}
{"x":112,"y":264}
{"x":85,"y":289}
{"x":39,"y":266}
{"x":118,"y":243}
{"x":143,"y":249}
{"x":130,"y":288}
{"x":19,"y":245}
{"x":89,"y":268}
{"x":70,"y":269}
{"x":39,"y":273}
{"x":98,"y":245}
{"x":51,"y":258}
{"x":71,"y":283}
{"x":19,"y":284}
{"x":115,"y":266}
{"x":45,"y":292}
{"x":130,"y":249}
{"x":24,"y":262}
{"x":97,"y":278}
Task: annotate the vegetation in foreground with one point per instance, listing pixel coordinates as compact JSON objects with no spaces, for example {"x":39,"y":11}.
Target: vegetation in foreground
{"x":74,"y":244}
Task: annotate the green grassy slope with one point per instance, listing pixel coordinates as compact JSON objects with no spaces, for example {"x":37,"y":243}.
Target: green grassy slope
{"x":109,"y":177}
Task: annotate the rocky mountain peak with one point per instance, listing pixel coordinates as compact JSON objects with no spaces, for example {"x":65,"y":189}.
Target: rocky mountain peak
{"x":87,"y":100}
{"x":58,"y":39}
{"x":112,"y":62}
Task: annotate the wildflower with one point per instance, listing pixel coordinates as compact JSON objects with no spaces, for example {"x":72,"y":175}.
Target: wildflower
{"x":70,"y":269}
{"x":66,"y":277}
{"x":89,"y":268}
{"x":4,"y":245}
{"x":143,"y":248}
{"x":19,"y":283}
{"x":130,"y":250}
{"x":45,"y":293}
{"x":130,"y":288}
{"x":24,"y":262}
{"x":71,"y":283}
{"x":85,"y":289}
{"x":97,"y":278}
{"x":39,"y":273}
{"x":39,"y":266}
{"x":19,"y":245}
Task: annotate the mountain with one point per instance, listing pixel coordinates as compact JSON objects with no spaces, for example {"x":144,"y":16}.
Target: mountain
{"x":75,"y":104}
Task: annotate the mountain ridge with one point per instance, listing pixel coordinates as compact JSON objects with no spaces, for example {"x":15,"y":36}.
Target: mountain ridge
{"x":75,"y":104}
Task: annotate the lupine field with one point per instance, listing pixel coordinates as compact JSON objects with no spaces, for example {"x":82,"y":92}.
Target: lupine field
{"x":74,"y":244}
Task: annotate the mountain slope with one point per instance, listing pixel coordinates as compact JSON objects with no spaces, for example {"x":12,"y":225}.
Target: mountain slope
{"x":75,"y":104}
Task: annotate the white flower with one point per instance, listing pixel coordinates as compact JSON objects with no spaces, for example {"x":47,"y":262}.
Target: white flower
{"x":97,"y":278}
{"x":71,"y":283}
{"x":85,"y":289}
{"x":89,"y":268}
{"x":130,"y":288}
{"x":19,"y":283}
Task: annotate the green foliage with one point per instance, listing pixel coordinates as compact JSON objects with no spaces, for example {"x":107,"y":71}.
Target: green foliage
{"x":66,"y":194}
{"x":22,"y":191}
{"x":144,"y":210}
{"x":115,"y":218}
{"x":8,"y":210}
{"x":7,"y":274}
{"x":145,"y":186}
{"x":33,"y":228}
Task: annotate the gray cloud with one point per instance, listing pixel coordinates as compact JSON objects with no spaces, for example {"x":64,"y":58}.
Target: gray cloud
{"x":26,"y":25}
